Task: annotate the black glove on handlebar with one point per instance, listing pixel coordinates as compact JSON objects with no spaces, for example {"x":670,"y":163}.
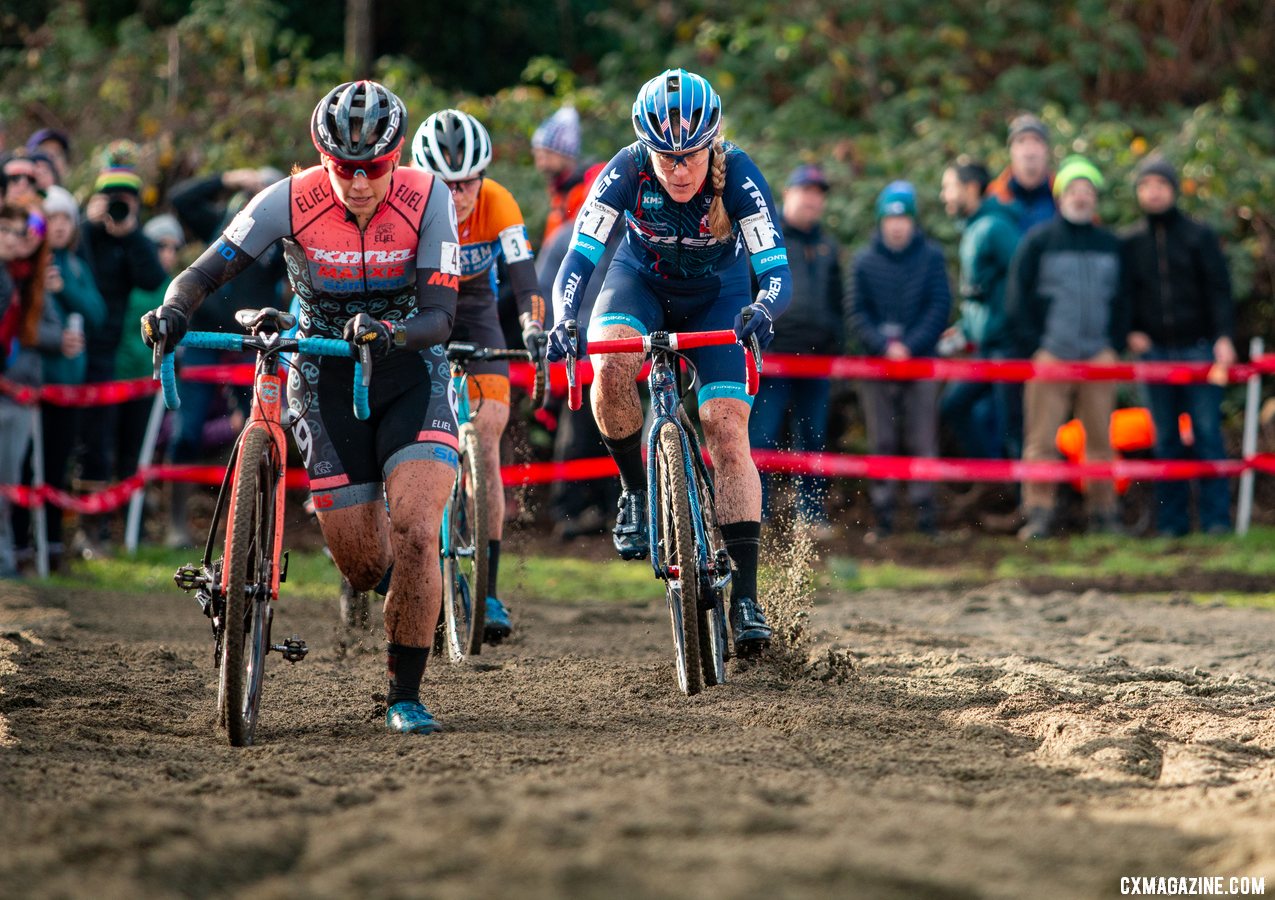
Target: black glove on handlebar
{"x":176,"y":322}
{"x":366,"y":331}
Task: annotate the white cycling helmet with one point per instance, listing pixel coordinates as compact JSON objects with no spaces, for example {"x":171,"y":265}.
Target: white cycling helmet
{"x":453,"y":145}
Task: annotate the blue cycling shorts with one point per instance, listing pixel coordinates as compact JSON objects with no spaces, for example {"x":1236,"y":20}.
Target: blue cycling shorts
{"x":646,"y":304}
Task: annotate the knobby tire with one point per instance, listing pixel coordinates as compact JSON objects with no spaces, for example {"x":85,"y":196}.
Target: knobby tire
{"x":249,"y":544}
{"x":677,"y":540}
{"x":467,"y":524}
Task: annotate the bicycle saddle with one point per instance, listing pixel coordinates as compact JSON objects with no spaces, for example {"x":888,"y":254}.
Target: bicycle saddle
{"x":267,"y":320}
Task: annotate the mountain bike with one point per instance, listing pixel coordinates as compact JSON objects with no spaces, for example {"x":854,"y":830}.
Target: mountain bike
{"x":236,"y":589}
{"x":687,"y":550}
{"x":463,"y":541}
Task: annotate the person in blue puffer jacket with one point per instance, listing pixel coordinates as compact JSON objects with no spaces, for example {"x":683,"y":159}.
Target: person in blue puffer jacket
{"x":900,"y":305}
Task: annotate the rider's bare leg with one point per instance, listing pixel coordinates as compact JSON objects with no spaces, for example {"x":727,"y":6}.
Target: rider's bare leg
{"x":490,"y":419}
{"x":736,"y":480}
{"x":359,"y":540}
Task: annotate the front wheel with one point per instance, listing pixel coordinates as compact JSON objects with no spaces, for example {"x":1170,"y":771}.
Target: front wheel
{"x":463,"y":547}
{"x":714,"y":601}
{"x":675,"y":538}
{"x":247,"y":613}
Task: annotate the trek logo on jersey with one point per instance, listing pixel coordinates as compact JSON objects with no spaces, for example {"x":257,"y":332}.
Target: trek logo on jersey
{"x":357,"y":257}
{"x":758,"y":197}
{"x":569,"y":289}
{"x":653,"y":201}
{"x":609,"y":179}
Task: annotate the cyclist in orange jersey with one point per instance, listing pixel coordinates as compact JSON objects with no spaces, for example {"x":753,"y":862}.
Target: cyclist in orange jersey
{"x":455,"y":147}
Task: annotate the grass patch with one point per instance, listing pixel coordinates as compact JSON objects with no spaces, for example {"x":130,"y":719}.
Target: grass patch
{"x":845,"y":574}
{"x":565,"y":579}
{"x":1235,"y":600}
{"x":312,"y":575}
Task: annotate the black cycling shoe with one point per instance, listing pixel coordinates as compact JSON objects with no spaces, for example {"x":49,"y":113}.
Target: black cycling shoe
{"x":630,"y":534}
{"x":748,"y":624}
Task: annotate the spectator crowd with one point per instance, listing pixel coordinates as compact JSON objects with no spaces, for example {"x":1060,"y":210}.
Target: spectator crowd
{"x":1038,"y":277}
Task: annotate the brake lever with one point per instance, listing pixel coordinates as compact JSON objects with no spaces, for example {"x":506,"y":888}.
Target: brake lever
{"x":575,"y":394}
{"x":157,"y":349}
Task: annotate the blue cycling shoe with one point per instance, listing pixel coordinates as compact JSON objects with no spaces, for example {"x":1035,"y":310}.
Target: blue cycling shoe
{"x":496,"y":626}
{"x":411,"y":717}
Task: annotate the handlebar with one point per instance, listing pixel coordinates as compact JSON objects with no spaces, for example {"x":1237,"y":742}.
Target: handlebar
{"x":212,"y":340}
{"x":683,"y":340}
{"x":463,"y":353}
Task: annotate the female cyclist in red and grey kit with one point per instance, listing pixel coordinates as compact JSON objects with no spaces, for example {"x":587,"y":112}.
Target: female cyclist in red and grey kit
{"x":373,"y":258}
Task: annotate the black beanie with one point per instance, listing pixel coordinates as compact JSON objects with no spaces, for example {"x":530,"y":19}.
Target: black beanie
{"x":1157,"y":165}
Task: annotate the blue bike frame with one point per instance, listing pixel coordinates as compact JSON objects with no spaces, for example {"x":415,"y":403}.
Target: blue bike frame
{"x":662,"y":382}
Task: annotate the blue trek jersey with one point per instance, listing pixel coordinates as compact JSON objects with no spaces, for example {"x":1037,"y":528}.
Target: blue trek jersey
{"x":669,"y":240}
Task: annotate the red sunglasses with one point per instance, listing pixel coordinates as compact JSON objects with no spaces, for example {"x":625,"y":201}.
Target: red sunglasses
{"x":371,"y":169}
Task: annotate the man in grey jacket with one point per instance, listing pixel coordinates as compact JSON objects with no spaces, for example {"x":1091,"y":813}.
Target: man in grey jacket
{"x":1065,"y":302}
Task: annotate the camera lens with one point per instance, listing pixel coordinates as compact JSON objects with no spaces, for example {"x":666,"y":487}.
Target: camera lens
{"x":118,"y":210}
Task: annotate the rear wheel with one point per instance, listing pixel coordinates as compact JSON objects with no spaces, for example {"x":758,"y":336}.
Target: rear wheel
{"x":676,"y":540}
{"x":248,"y":561}
{"x":464,"y":551}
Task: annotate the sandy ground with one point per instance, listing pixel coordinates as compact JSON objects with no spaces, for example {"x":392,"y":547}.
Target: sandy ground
{"x":988,"y":743}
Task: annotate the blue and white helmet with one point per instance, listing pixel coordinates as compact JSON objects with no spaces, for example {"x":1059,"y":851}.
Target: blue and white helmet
{"x":676,"y":112}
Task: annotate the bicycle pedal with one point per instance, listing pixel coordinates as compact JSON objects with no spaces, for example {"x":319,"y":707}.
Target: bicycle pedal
{"x":293,"y":649}
{"x":751,"y":649}
{"x":189,"y":577}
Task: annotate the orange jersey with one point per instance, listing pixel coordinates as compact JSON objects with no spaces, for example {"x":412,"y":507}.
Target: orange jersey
{"x":494,"y":227}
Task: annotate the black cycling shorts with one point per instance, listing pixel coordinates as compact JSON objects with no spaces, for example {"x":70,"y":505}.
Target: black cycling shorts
{"x":348,"y":459}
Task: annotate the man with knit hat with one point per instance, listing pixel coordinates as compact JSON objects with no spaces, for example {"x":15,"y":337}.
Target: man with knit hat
{"x":1026,"y":182}
{"x":121,"y":258}
{"x":1182,"y":312}
{"x":900,"y":305}
{"x":555,"y":149}
{"x":1065,"y":301}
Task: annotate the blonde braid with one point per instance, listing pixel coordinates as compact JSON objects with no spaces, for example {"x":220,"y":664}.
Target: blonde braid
{"x":719,"y":222}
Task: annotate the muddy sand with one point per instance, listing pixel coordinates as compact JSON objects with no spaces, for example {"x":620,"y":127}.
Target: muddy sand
{"x":984,"y":743}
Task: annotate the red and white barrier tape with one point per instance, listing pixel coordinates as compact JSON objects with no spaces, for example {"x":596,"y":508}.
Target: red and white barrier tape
{"x":777,"y":365}
{"x":901,"y":468}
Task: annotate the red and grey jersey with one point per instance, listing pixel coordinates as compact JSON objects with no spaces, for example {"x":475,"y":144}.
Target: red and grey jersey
{"x":404,"y":263}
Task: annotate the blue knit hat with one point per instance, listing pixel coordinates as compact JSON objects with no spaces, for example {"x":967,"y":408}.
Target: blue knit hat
{"x":898,"y":199}
{"x":559,"y":133}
